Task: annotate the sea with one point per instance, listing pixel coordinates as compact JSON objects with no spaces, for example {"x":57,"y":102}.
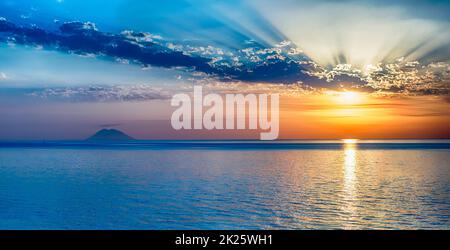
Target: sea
{"x":378,"y":184}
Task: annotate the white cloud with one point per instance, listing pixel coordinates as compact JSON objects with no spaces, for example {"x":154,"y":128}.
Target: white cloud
{"x":104,"y":93}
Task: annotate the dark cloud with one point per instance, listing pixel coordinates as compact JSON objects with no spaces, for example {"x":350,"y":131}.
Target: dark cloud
{"x":282,"y":63}
{"x":84,"y":38}
{"x":110,"y":125}
{"x":138,"y":47}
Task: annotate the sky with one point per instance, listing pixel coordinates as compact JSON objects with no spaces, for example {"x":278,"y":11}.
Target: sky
{"x":344,"y":69}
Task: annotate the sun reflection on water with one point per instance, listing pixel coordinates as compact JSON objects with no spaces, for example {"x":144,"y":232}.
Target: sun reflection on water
{"x":349,"y":167}
{"x":349,"y":181}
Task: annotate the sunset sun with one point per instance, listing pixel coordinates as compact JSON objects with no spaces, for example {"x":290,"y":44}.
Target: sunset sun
{"x":349,"y":97}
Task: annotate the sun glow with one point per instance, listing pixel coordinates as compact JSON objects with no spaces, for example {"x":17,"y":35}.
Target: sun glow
{"x":349,"y":97}
{"x":350,"y":141}
{"x":361,"y":34}
{"x":346,"y":97}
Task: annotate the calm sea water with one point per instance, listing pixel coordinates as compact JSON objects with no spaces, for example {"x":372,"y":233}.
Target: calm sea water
{"x":330,"y":186}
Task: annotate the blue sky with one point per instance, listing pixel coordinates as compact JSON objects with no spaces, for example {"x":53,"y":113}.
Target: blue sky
{"x":282,"y":41}
{"x":69,"y":51}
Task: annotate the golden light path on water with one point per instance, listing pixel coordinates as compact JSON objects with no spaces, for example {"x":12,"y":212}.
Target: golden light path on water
{"x":349,"y":181}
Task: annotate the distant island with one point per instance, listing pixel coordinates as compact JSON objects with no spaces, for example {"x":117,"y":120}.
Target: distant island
{"x":110,"y":135}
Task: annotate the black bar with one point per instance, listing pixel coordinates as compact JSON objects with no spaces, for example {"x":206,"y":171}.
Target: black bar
{"x":167,"y":239}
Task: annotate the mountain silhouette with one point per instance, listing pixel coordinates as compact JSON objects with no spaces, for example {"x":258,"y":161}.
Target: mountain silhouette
{"x":110,"y":135}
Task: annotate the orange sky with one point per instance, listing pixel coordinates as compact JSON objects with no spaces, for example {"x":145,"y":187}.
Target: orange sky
{"x":333,"y":115}
{"x":323,"y":117}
